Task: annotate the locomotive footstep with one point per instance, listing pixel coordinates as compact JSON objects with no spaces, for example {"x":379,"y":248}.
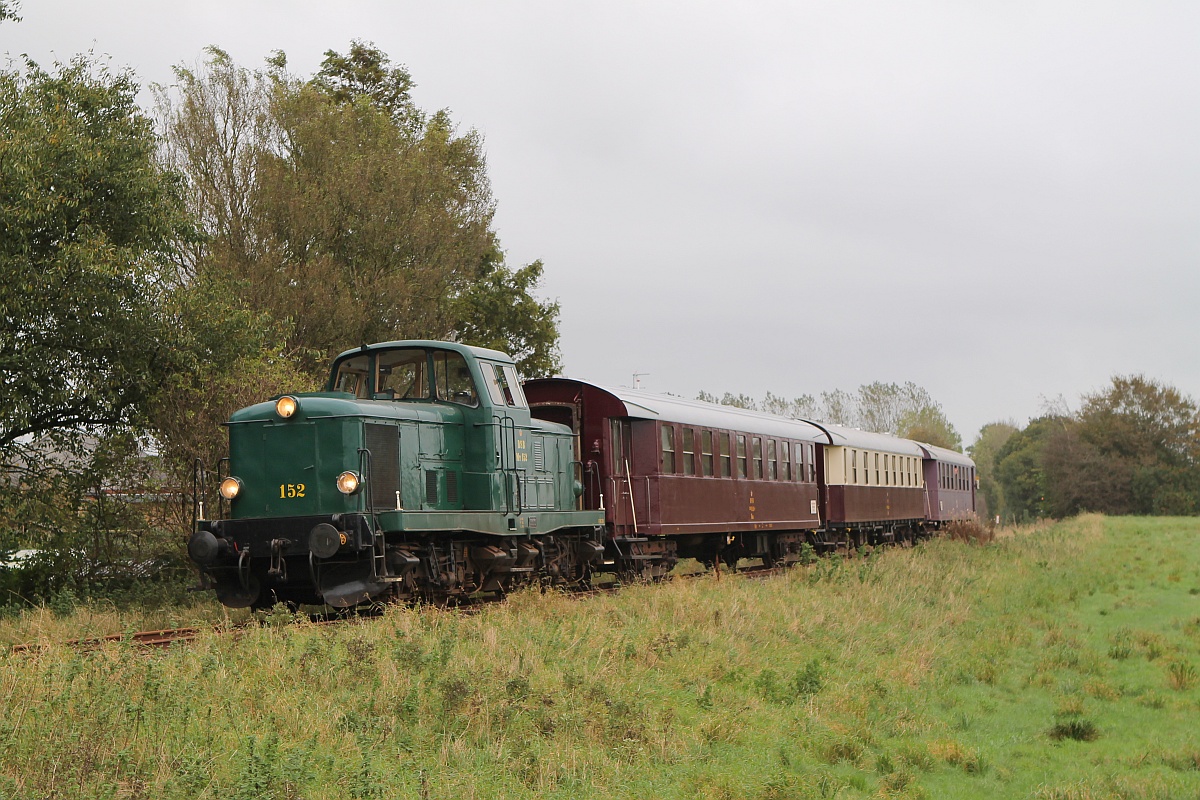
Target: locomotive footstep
{"x":349,"y":585}
{"x":234,"y":595}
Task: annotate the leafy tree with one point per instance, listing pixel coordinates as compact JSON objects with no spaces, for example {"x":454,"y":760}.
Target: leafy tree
{"x":498,"y":310}
{"x":345,"y":213}
{"x":839,"y":407}
{"x":1019,"y":468}
{"x":1148,"y":435}
{"x":8,"y":10}
{"x":929,"y":424}
{"x":1079,"y":478}
{"x":991,"y":438}
{"x":87,"y":225}
{"x":366,"y":73}
{"x":802,"y":407}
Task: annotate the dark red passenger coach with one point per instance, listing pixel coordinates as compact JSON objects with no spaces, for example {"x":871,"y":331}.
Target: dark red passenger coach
{"x":683,"y":478}
{"x":661,"y":465}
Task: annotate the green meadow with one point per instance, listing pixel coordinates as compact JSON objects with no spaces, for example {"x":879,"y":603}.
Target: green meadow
{"x":1057,"y":662}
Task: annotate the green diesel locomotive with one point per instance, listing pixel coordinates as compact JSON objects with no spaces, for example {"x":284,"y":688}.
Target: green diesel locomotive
{"x":417,"y":474}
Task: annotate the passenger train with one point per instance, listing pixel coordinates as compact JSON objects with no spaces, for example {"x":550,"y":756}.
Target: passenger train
{"x":427,"y":471}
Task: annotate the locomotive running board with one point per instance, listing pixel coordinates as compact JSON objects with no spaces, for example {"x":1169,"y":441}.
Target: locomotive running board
{"x":488,"y":522}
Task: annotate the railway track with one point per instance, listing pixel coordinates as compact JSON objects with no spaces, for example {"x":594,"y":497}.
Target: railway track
{"x":160,"y":638}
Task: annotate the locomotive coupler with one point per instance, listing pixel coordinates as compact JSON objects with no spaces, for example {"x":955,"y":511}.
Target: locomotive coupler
{"x":278,"y":564}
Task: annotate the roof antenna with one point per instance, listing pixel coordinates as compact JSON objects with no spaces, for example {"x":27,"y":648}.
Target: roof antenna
{"x":637,"y":379}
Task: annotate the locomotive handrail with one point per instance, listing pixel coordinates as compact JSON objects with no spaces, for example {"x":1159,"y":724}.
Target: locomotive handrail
{"x":577,"y":475}
{"x":199,"y":491}
{"x":221,"y":501}
{"x":364,"y":469}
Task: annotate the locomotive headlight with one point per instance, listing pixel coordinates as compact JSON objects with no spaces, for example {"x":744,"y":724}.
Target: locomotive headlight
{"x":286,"y":406}
{"x":230,"y":487}
{"x":348,"y":482}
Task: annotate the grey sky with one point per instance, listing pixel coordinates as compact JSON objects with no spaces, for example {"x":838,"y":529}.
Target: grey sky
{"x":997,"y":201}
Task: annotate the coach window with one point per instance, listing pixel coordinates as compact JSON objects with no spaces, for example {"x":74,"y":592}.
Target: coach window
{"x":741,"y":456}
{"x":617,"y":434}
{"x":786,"y":459}
{"x":668,"y":449}
{"x":725,"y":457}
{"x":854,"y":466}
{"x":689,"y":451}
{"x":756,"y":458}
{"x":772,"y":460}
{"x":706,"y":453}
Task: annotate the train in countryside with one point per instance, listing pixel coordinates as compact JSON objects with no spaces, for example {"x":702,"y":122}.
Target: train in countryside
{"x":427,"y":471}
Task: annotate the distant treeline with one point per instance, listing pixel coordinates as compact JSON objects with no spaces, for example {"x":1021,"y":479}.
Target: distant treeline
{"x":1133,"y":448}
{"x":905,"y":410}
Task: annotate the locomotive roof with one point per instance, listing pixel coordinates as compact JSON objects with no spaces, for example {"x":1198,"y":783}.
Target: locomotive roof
{"x":459,"y":347}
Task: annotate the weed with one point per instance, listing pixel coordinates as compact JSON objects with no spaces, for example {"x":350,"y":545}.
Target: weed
{"x":809,"y":678}
{"x":1152,"y":700}
{"x":1079,"y":729}
{"x":1101,"y":690}
{"x":1182,"y":675}
{"x":971,"y":531}
{"x":1185,"y":760}
{"x":843,"y":748}
{"x":1120,"y":644}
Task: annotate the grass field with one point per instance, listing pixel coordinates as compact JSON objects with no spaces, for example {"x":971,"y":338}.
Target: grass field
{"x":1058,"y":663}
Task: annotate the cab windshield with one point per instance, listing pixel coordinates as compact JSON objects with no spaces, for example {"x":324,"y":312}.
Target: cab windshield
{"x":408,"y":373}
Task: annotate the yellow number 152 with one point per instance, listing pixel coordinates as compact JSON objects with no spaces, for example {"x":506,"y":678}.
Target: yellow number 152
{"x":287,"y":490}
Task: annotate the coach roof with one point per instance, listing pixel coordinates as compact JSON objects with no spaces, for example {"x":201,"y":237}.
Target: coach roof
{"x":668,"y":408}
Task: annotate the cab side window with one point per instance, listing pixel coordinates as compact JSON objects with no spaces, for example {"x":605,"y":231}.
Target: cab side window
{"x":503,"y":386}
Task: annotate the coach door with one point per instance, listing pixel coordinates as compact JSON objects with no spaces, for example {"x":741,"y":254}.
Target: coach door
{"x":623,"y":511}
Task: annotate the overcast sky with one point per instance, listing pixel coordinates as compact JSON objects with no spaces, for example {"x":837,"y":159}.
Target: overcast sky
{"x":997,"y":201}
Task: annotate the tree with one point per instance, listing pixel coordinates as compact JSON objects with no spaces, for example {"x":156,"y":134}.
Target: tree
{"x":991,"y":438}
{"x":1079,"y":478}
{"x":366,"y":73}
{"x":344,"y":212}
{"x":1020,"y":471}
{"x":1148,"y":434}
{"x":907,"y":411}
{"x":87,"y":225}
{"x":8,"y":10}
{"x":929,"y":424}
{"x":498,"y":310}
